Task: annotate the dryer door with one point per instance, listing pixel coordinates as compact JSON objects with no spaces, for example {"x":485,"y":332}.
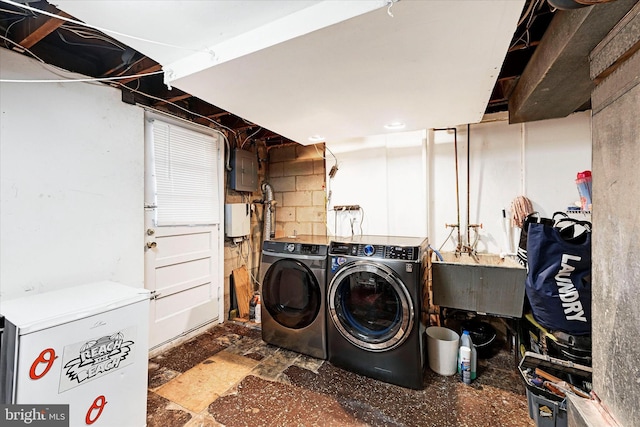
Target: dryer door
{"x":291,"y":293}
{"x":370,"y":306}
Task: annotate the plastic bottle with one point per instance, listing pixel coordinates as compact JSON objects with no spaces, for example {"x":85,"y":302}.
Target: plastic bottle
{"x":583,"y":181}
{"x":258,"y":310}
{"x":465,"y":364}
{"x":466,"y":341}
{"x":252,"y":307}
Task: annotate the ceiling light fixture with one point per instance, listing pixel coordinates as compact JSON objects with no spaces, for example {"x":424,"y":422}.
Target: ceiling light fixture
{"x":394,"y":126}
{"x":316,"y":138}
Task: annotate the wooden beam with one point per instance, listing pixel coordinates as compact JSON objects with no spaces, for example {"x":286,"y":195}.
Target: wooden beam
{"x":556,"y":81}
{"x":218,"y":115}
{"x":36,"y":30}
{"x":142,"y":66}
{"x":243,"y":128}
{"x":181,"y":97}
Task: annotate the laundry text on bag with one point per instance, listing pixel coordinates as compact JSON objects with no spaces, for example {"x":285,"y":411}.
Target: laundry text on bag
{"x":568,"y":293}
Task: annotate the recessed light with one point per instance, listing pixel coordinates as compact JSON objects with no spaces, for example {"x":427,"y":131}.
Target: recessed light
{"x":394,"y":126}
{"x":316,"y":138}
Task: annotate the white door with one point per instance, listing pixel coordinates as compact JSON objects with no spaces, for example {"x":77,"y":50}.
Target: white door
{"x":182,"y":219}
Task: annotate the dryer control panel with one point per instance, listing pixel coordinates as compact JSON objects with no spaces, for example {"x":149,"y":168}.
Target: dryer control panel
{"x":296,"y":248}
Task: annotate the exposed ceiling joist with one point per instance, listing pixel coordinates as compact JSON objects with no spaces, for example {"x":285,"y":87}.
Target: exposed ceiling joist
{"x":89,"y":51}
{"x":36,"y":29}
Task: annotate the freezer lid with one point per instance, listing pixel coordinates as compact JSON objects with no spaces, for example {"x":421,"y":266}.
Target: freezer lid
{"x":40,"y":311}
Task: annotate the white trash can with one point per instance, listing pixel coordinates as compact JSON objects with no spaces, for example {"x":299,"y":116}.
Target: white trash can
{"x":442,"y":350}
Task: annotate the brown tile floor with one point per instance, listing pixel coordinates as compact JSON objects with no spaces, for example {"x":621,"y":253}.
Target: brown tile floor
{"x":228,"y":376}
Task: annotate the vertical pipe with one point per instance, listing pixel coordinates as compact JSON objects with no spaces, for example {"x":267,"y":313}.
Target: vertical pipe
{"x":455,"y":148}
{"x":468,"y":185}
{"x":429,"y":179}
{"x":523,"y":170}
{"x":268,"y":211}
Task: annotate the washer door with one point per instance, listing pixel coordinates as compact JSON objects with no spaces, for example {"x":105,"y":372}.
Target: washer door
{"x":291,"y":293}
{"x":370,"y":306}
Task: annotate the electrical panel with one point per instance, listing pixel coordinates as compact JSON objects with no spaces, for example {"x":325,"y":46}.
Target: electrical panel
{"x":244,"y":170}
{"x":237,"y":219}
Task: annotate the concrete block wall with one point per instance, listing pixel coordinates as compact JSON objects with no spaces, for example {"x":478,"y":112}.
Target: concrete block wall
{"x":247,"y":252}
{"x":297,"y":176}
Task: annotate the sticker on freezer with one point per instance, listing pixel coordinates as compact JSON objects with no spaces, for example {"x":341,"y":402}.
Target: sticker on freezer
{"x":85,"y":361}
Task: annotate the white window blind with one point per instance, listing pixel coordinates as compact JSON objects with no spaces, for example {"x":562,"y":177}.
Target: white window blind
{"x":186,"y":174}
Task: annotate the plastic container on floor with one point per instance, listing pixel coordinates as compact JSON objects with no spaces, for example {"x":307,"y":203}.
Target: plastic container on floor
{"x":258,"y":318}
{"x":546,"y":408}
{"x":483,"y":336}
{"x":545,"y":412}
{"x":442,"y":349}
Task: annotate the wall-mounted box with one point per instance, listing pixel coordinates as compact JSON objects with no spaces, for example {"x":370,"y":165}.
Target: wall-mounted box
{"x":237,"y":219}
{"x":244,"y":170}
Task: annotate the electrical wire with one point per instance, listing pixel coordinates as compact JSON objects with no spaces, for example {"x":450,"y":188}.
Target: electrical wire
{"x":331,"y":152}
{"x":113,"y":80}
{"x":524,"y":16}
{"x":86,"y":35}
{"x":390,"y":4}
{"x":89,"y":79}
{"x":14,"y":12}
{"x":246,"y":260}
{"x":51,"y":68}
{"x":322,"y":155}
{"x":104,"y":30}
{"x":529,"y":16}
{"x":6,"y":33}
{"x":247,"y":138}
{"x":180,"y":108}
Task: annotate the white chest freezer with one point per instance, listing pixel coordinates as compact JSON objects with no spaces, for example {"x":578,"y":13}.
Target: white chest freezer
{"x":85,"y":346}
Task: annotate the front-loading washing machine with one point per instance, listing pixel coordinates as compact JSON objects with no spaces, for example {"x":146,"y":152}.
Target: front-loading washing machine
{"x":293,"y":303}
{"x":374,"y":302}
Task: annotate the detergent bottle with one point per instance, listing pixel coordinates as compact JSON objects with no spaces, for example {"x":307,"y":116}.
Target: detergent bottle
{"x":465,"y":341}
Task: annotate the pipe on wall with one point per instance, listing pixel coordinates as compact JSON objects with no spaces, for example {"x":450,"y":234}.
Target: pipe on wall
{"x":269,"y":215}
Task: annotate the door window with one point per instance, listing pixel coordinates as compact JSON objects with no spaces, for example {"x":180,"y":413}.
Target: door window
{"x":185,"y":175}
{"x":291,"y":293}
{"x":370,"y":307}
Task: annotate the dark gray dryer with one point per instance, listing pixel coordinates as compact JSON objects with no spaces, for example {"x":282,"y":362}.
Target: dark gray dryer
{"x":293,"y":278}
{"x":374,"y":301}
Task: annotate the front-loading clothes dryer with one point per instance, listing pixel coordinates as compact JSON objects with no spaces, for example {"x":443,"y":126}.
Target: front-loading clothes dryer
{"x":374,"y":302}
{"x":293,"y":309}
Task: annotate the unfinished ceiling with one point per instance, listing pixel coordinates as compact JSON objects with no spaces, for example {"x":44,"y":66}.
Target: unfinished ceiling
{"x":287,"y":70}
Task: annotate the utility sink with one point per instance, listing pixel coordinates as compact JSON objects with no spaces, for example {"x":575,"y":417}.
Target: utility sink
{"x":484,"y":283}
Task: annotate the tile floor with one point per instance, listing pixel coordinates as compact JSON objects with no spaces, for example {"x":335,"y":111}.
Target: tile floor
{"x":228,"y":376}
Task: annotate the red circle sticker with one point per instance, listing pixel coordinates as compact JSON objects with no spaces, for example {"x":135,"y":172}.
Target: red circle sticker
{"x":98,"y":404}
{"x":46,"y":357}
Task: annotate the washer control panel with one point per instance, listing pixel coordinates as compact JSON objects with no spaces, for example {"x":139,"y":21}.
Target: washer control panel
{"x":401,"y":252}
{"x":406,"y":253}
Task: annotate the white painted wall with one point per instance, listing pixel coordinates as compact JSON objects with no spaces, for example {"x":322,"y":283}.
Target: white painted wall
{"x":394,"y":183}
{"x":71,"y":166}
{"x":386,"y":176}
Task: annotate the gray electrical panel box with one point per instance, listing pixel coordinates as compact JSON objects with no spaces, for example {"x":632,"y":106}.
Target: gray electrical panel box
{"x":244,"y":170}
